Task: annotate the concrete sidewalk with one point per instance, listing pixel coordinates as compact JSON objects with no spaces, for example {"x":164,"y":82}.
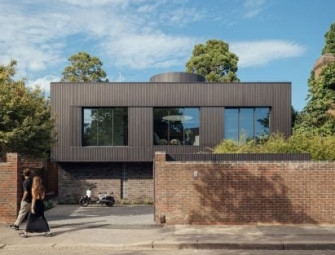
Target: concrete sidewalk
{"x":137,"y":231}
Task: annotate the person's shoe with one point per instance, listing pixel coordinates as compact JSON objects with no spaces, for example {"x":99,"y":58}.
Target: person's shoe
{"x":48,"y":234}
{"x":13,"y":226}
{"x":24,"y":234}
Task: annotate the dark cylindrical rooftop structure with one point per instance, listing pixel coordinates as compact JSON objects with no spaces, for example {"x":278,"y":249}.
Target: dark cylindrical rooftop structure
{"x":177,"y":77}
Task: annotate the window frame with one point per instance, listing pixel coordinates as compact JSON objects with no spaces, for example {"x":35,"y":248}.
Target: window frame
{"x":103,"y":107}
{"x":239,"y":120}
{"x":175,"y":107}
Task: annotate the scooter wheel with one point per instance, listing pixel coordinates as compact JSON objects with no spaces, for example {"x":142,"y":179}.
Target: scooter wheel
{"x":111,"y":202}
{"x":84,"y":202}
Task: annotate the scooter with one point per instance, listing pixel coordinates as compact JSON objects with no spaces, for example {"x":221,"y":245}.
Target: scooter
{"x":103,"y":198}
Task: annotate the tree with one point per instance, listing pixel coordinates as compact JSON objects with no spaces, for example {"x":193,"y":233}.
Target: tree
{"x":330,"y":40}
{"x":84,"y":68}
{"x":294,"y":116}
{"x":26,"y":126}
{"x":214,"y":61}
{"x":316,"y":117}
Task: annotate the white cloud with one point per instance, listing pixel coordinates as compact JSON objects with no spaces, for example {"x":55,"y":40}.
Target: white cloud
{"x":182,"y":16}
{"x":129,"y":32}
{"x":255,"y":53}
{"x":96,"y":3}
{"x":43,"y":83}
{"x":36,"y":33}
{"x":253,"y":8}
{"x":148,"y":50}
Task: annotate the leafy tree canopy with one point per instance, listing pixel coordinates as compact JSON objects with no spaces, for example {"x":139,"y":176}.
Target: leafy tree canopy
{"x":317,"y":116}
{"x":25,"y":123}
{"x":330,"y":40}
{"x":214,"y":61}
{"x":84,"y":68}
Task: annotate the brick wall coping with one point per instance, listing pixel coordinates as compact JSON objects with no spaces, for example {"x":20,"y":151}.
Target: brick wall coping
{"x":251,"y":162}
{"x":254,"y":161}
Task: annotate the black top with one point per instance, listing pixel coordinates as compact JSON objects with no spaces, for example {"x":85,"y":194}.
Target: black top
{"x":27,"y":184}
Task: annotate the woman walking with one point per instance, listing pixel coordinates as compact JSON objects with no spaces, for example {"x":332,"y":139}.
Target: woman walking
{"x":36,"y":220}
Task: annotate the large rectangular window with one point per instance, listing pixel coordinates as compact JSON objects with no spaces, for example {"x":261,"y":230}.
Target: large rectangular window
{"x":176,"y":126}
{"x":246,"y":123}
{"x":105,"y":126}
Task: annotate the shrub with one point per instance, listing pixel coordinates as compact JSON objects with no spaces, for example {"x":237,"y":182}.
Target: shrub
{"x":320,"y":147}
{"x":48,"y":204}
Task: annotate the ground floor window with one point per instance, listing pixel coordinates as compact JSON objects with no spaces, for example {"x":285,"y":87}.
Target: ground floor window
{"x":176,"y":126}
{"x":246,"y":123}
{"x":105,"y":126}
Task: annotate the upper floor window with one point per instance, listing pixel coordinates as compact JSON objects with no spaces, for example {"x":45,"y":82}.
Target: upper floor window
{"x":105,"y":126}
{"x":246,"y":123}
{"x":176,"y":126}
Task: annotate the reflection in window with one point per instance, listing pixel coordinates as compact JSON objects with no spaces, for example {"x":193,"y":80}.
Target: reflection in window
{"x":105,"y":126}
{"x":176,"y":126}
{"x":246,"y":123}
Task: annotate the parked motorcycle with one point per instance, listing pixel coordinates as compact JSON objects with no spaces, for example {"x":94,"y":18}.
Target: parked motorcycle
{"x":103,"y":198}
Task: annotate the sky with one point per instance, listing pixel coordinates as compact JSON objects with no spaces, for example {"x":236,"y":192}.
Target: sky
{"x":275,"y":40}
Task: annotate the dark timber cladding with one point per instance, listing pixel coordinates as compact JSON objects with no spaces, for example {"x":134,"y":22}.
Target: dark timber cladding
{"x":68,"y":99}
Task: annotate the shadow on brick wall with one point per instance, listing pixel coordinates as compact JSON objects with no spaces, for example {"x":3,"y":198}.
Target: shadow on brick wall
{"x":241,"y":197}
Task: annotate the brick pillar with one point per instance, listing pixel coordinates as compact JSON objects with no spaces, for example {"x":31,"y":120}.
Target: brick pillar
{"x":322,"y":62}
{"x":10,"y":181}
{"x":159,"y":162}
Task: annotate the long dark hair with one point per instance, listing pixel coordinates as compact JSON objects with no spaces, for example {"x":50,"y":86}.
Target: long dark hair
{"x":37,"y":188}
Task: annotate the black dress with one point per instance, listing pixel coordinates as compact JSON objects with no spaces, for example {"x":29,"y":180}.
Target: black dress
{"x":37,"y":222}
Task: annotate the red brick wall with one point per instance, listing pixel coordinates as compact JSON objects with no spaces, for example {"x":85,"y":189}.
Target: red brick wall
{"x":9,"y":188}
{"x":244,"y":192}
{"x":131,"y":181}
{"x":11,"y":183}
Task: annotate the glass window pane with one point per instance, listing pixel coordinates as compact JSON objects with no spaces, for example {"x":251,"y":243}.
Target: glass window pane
{"x":246,"y":124}
{"x":160,"y":126}
{"x":90,"y":128}
{"x":231,"y":124}
{"x":262,"y":123}
{"x":120,"y":126}
{"x":191,"y":126}
{"x":105,"y":126}
{"x":176,"y":126}
{"x":105,"y":129}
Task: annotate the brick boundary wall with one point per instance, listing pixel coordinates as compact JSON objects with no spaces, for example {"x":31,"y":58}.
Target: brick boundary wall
{"x":9,"y":188}
{"x":11,"y":179}
{"x":244,"y":192}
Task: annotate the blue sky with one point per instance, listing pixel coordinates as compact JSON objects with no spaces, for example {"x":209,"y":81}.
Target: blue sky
{"x":276,"y":40}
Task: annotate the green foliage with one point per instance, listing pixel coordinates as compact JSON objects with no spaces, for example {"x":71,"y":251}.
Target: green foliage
{"x":48,"y":204}
{"x":147,"y":201}
{"x":330,"y":40}
{"x":84,"y":68}
{"x":320,"y":147}
{"x":68,"y":200}
{"x":26,"y":126}
{"x":214,"y":61}
{"x":314,"y":118}
{"x":294,"y":116}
